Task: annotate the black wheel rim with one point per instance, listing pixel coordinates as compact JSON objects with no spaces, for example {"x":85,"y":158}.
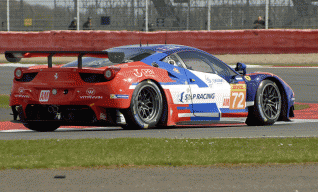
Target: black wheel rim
{"x":271,"y":101}
{"x":147,"y":104}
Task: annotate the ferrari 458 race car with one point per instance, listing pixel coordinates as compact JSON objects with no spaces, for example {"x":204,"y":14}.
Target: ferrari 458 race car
{"x":144,"y":86}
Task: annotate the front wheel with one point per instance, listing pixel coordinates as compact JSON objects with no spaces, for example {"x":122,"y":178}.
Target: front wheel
{"x":267,"y":107}
{"x":41,"y":126}
{"x":145,"y":108}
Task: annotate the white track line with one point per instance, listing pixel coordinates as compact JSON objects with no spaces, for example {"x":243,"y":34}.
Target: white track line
{"x":293,"y":121}
{"x":16,"y":65}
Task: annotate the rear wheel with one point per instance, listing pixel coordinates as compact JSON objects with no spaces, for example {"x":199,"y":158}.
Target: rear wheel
{"x":267,"y":107}
{"x":146,"y":107}
{"x":41,"y":126}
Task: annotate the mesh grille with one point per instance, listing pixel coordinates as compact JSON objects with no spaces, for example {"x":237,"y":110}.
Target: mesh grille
{"x":92,"y":77}
{"x":27,"y":77}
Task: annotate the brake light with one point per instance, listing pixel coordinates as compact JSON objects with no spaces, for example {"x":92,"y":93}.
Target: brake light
{"x":18,"y":73}
{"x":110,"y":73}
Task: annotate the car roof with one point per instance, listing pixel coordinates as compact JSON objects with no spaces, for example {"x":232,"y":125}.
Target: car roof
{"x":162,"y":48}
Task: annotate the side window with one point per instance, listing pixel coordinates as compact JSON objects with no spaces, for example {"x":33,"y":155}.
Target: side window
{"x":220,"y":67}
{"x":195,"y":61}
{"x":173,"y":60}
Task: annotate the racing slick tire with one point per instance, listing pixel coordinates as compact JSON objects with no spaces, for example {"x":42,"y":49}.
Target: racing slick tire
{"x":41,"y":126}
{"x":267,"y":106}
{"x":145,"y":108}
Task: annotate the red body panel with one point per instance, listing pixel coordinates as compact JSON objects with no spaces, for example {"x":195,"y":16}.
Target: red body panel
{"x":96,"y":95}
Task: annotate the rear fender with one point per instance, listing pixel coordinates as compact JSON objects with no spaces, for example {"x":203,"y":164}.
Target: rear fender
{"x":131,"y":77}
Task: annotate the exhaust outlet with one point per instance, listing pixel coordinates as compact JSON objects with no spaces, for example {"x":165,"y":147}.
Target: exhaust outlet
{"x":53,"y":109}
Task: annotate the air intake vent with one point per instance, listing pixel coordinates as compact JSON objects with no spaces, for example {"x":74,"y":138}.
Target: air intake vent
{"x":92,"y":77}
{"x":27,"y":77}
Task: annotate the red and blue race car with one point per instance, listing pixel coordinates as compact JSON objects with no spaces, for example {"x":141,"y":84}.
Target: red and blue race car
{"x":144,"y":86}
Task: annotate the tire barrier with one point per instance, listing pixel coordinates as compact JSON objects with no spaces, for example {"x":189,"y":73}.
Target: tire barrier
{"x":216,"y":42}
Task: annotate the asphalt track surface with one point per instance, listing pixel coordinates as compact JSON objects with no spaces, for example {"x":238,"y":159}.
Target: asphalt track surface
{"x":213,"y":178}
{"x":264,"y":178}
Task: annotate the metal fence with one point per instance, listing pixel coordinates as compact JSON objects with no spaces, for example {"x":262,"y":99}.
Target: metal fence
{"x":153,"y":15}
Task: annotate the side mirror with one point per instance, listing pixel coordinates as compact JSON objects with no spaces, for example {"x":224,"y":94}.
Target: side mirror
{"x":240,"y":68}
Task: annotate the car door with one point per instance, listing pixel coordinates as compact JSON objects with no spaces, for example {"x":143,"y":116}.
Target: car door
{"x":207,"y":89}
{"x":234,"y":103}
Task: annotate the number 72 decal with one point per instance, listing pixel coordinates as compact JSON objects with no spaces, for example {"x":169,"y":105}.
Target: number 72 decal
{"x":238,"y":96}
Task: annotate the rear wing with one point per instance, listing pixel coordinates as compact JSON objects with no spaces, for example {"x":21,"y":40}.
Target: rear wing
{"x":15,"y":56}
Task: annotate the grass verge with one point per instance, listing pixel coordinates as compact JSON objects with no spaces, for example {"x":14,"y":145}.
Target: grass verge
{"x":21,"y":154}
{"x":4,"y":101}
{"x":301,"y":106}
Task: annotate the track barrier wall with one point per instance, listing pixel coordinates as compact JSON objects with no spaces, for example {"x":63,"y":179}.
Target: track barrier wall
{"x":273,"y":41}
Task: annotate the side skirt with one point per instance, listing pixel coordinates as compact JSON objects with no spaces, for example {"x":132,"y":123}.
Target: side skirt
{"x":224,"y":120}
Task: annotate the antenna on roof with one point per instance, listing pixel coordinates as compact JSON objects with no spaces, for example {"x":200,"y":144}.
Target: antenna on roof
{"x":140,"y":42}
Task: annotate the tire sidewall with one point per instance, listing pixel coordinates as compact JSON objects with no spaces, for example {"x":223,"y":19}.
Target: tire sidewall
{"x":134,"y":105}
{"x":259,"y":109}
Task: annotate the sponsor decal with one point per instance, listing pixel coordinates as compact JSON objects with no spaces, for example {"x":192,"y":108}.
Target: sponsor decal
{"x":145,"y":72}
{"x":56,"y":76}
{"x":248,"y":78}
{"x":22,"y":96}
{"x":238,"y":78}
{"x":211,"y":81}
{"x":44,"y":95}
{"x":117,"y":96}
{"x":91,"y":97}
{"x":226,"y":102}
{"x":238,"y":87}
{"x":218,"y":81}
{"x":187,"y":97}
{"x":90,"y":91}
{"x":168,"y":47}
{"x":21,"y":89}
{"x":238,"y":96}
{"x":176,"y":70}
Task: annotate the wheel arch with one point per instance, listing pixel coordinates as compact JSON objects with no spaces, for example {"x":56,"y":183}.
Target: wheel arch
{"x":164,"y":116}
{"x":285,"y":111}
{"x":256,"y":80}
{"x":166,"y":100}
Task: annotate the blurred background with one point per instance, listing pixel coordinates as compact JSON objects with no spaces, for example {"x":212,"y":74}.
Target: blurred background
{"x":154,"y":15}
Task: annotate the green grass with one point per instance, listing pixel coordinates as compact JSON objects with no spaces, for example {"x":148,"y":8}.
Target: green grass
{"x":301,"y":106}
{"x":4,"y":101}
{"x":21,"y":154}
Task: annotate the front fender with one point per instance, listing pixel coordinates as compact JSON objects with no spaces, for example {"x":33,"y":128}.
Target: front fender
{"x":253,"y":81}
